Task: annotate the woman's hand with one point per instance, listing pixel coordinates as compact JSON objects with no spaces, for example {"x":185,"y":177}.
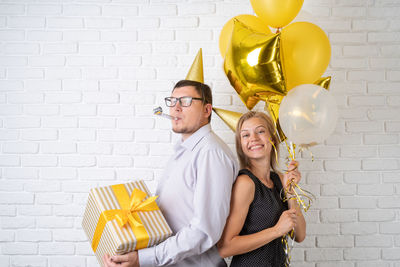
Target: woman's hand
{"x":292,"y":174}
{"x":286,"y":222}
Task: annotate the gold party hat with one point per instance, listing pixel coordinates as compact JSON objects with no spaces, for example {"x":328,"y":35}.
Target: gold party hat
{"x":196,"y":70}
{"x":324,"y":82}
{"x":230,"y":118}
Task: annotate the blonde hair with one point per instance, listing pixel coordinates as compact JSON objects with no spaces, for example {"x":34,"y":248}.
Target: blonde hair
{"x":243,"y":159}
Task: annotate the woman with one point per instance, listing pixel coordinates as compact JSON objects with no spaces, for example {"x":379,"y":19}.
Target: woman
{"x":258,"y":217}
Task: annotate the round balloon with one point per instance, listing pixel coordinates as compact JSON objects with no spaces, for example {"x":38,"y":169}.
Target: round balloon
{"x":251,"y":21}
{"x":305,"y":52}
{"x":276,"y":13}
{"x":308,"y":114}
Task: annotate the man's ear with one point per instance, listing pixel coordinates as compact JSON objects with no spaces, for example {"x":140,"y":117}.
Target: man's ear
{"x":207,"y":110}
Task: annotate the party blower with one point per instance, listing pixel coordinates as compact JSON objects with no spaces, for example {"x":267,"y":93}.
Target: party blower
{"x":159,"y":111}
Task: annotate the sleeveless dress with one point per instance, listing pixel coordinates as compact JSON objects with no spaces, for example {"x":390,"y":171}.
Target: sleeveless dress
{"x":264,"y":212}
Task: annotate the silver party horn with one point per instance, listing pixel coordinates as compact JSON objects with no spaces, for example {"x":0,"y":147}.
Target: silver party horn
{"x":158,"y":111}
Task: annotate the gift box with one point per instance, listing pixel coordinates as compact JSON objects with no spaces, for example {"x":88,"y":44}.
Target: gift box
{"x":123,"y":218}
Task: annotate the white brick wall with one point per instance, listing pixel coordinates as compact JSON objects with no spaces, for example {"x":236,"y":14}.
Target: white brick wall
{"x":79,"y":79}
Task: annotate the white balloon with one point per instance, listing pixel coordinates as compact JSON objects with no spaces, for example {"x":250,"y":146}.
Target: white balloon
{"x":308,"y":114}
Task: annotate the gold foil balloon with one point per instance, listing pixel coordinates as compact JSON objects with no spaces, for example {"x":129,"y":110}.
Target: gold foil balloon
{"x":276,"y":13}
{"x":306,"y":52}
{"x":252,"y":21}
{"x":324,"y":82}
{"x":230,"y":118}
{"x":252,"y":64}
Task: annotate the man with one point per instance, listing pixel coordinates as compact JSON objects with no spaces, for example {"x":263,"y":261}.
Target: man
{"x":194,"y":193}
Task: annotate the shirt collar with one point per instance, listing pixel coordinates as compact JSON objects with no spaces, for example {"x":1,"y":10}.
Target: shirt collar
{"x":192,"y":140}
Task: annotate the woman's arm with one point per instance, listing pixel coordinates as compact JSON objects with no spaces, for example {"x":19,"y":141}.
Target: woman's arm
{"x":231,"y":243}
{"x":300,"y":228}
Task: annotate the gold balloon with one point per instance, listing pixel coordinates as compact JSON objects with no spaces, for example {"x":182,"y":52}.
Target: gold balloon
{"x":305,"y":52}
{"x":276,"y":13}
{"x":324,"y":82}
{"x":230,"y":118}
{"x":253,"y":65}
{"x":252,"y":21}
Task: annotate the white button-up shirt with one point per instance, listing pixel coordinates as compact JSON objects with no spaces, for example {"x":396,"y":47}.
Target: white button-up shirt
{"x":194,"y":196}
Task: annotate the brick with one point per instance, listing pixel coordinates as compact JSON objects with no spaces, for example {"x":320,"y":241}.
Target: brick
{"x":103,"y":23}
{"x":81,"y":35}
{"x":138,"y":123}
{"x":39,"y":134}
{"x":119,"y":86}
{"x":20,"y":248}
{"x":392,"y":126}
{"x":390,"y":50}
{"x":25,"y":98}
{"x":393,"y":100}
{"x":56,"y":248}
{"x":391,"y":177}
{"x":38,"y":161}
{"x":115,"y":136}
{"x":63,"y":73}
{"x":100,"y":98}
{"x":20,"y":147}
{"x":338,"y":216}
{"x":38,"y":186}
{"x":120,"y":10}
{"x":13,"y":60}
{"x":338,"y":190}
{"x":391,"y":253}
{"x":12,"y":9}
{"x":179,"y":22}
{"x":130,"y":174}
{"x":364,"y":126}
{"x":376,"y":215}
{"x":131,"y":149}
{"x":26,"y":22}
{"x":96,"y":174}
{"x":53,"y":198}
{"x":10,"y":110}
{"x":59,"y":122}
{"x":58,"y":173}
{"x":74,"y":261}
{"x":94,"y":148}
{"x":58,"y":147}
{"x":34,"y":260}
{"x":133,"y":49}
{"x":25,"y":73}
{"x":77,"y":134}
{"x":373,"y":241}
{"x":77,"y":161}
{"x":356,"y":151}
{"x":383,"y":37}
{"x":70,"y":210}
{"x":324,"y":254}
{"x":324,"y":178}
{"x":360,"y":50}
{"x":357,"y":202}
{"x":78,"y":109}
{"x":81,"y":10}
{"x":361,"y":177}
{"x":380,"y":164}
{"x":11,"y":85}
{"x":141,"y":23}
{"x":20,"y":222}
{"x":53,"y":222}
{"x":117,"y":110}
{"x":38,"y":9}
{"x":12,"y":35}
{"x":100,"y":73}
{"x":33,"y":235}
{"x":114,"y":161}
{"x":370,"y":25}
{"x":348,"y":165}
{"x":20,"y":173}
{"x":64,"y":22}
{"x":37,"y":35}
{"x":158,"y":10}
{"x":102,"y":123}
{"x":339,"y":241}
{"x":151,"y":35}
{"x":358,"y":228}
{"x":361,"y":254}
{"x":9,"y":161}
{"x":45,"y":85}
{"x":9,"y":134}
{"x":389,"y":202}
{"x":380,"y":139}
{"x":347,"y":139}
{"x":35,"y":210}
{"x":383,"y":88}
{"x":7,"y":236}
{"x":348,"y":38}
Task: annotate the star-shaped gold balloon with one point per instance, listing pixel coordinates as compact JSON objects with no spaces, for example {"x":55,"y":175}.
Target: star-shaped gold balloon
{"x":253,"y":64}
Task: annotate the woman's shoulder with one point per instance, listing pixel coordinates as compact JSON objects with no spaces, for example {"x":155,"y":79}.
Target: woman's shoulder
{"x":244,"y":182}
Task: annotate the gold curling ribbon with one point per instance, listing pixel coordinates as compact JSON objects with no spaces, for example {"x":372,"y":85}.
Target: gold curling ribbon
{"x":127,"y":214}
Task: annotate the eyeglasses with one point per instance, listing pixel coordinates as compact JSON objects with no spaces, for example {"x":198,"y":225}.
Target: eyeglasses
{"x":184,"y":101}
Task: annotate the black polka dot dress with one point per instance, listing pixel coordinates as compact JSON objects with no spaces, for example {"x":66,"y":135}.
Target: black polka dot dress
{"x":264,"y":212}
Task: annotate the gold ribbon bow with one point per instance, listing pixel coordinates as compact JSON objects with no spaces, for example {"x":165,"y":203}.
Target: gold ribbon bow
{"x":127,"y":214}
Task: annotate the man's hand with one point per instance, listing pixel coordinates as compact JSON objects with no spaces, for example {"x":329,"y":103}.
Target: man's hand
{"x":130,"y":259}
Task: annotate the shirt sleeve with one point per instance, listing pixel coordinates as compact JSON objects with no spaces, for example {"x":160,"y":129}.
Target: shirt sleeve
{"x":216,"y":172}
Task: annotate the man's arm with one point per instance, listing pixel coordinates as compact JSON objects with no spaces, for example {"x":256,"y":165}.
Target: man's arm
{"x":215,"y":175}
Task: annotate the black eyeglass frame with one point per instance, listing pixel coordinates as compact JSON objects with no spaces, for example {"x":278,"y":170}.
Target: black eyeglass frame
{"x":176,"y":99}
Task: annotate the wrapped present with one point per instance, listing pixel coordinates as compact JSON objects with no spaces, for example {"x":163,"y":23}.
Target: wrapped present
{"x":123,"y":218}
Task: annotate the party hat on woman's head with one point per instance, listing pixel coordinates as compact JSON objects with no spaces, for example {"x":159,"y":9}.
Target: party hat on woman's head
{"x":196,"y":70}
